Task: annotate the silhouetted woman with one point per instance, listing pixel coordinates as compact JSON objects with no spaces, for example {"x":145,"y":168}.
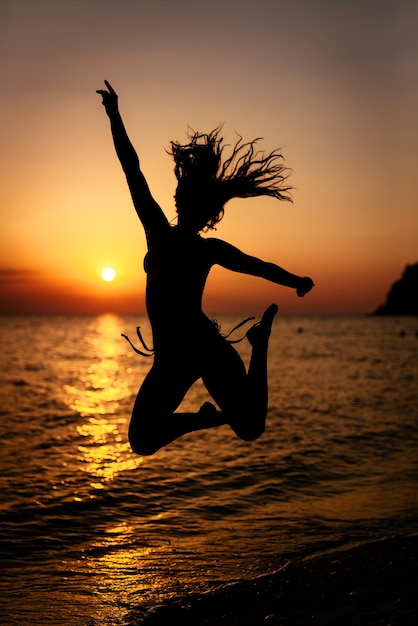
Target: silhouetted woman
{"x":187,"y":344}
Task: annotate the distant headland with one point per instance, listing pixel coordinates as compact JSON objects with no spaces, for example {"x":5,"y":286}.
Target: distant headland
{"x":402,"y":298}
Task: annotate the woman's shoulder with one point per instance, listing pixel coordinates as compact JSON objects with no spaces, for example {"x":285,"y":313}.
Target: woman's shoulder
{"x":211,"y":245}
{"x":212,"y":242}
{"x":215,"y":244}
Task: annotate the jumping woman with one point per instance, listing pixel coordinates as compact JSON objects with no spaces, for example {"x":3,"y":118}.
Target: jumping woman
{"x":187,"y":344}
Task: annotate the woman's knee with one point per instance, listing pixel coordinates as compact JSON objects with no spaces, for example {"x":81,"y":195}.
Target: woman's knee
{"x":143,"y":439}
{"x":247,"y":426}
{"x":250,"y":433}
{"x":143,"y":446}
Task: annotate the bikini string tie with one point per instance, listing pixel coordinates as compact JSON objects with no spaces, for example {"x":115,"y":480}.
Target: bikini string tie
{"x":149,"y":351}
{"x":248,"y":319}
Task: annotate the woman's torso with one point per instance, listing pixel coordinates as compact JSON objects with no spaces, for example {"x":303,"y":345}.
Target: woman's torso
{"x":177,"y":266}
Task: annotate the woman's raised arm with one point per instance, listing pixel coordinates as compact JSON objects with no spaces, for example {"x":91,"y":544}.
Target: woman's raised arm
{"x":233,"y":259}
{"x":149,"y":212}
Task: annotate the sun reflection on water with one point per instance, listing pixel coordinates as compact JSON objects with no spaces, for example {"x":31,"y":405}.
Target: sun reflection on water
{"x":100,"y":388}
{"x":123,"y":569}
{"x":96,"y":395}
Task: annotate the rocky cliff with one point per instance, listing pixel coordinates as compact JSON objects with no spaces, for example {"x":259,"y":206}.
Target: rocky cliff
{"x":402,"y":298}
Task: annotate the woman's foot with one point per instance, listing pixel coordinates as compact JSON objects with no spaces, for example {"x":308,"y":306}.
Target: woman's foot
{"x":259,"y":333}
{"x":208,"y":409}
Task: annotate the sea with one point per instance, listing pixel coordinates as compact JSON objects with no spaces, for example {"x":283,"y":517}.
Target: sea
{"x":94,"y":535}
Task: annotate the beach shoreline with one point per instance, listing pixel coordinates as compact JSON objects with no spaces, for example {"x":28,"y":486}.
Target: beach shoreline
{"x":368,"y":584}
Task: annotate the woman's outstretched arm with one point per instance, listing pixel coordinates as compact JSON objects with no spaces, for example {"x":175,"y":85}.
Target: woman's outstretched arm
{"x":233,"y":259}
{"x":149,"y":212}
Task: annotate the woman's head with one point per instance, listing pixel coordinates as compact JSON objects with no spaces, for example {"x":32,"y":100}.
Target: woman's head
{"x":206,"y":181}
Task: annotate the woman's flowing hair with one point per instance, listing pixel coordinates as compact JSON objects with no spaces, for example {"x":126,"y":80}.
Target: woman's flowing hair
{"x":245,"y":173}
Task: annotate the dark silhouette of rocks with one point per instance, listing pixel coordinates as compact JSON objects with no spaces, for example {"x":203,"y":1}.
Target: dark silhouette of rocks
{"x":402,"y":298}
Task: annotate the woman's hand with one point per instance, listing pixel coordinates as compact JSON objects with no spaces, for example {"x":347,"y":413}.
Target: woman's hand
{"x":110,"y":98}
{"x":304,"y":286}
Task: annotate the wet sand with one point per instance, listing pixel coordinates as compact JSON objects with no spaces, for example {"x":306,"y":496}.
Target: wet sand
{"x":370,"y":584}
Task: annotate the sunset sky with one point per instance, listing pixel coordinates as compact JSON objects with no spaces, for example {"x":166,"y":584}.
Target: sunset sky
{"x":332,"y":83}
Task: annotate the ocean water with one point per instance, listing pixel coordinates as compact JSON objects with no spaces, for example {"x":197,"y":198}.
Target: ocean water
{"x":94,"y":535}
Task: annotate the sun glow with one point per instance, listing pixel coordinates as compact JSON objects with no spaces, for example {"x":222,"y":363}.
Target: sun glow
{"x":108,"y":274}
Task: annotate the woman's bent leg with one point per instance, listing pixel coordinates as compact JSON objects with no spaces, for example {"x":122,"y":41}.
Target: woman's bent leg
{"x":154,"y":423}
{"x":259,"y":336}
{"x":242,"y":397}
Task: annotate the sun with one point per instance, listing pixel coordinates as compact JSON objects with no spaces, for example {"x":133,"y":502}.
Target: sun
{"x":108,"y":274}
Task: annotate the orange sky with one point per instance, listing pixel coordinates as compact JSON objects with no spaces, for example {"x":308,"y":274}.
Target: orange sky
{"x":331,"y":83}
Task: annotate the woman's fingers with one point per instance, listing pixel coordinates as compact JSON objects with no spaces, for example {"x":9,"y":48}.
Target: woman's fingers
{"x":109,"y":86}
{"x":111,"y":91}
